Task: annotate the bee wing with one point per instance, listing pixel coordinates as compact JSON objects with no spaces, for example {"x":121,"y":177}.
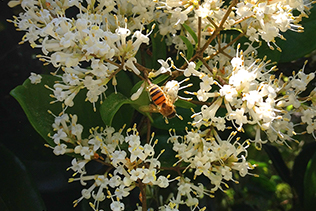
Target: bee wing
{"x":152,"y":109}
{"x":149,"y":108}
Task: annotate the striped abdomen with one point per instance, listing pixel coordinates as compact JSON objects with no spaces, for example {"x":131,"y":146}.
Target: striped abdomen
{"x":157,"y":94}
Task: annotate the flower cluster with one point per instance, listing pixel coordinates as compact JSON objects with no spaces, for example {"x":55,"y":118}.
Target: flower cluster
{"x":134,"y":167}
{"x":94,"y":37}
{"x":257,"y":19}
{"x":104,"y":39}
{"x":252,"y":95}
{"x":212,"y":157}
{"x":138,"y":165}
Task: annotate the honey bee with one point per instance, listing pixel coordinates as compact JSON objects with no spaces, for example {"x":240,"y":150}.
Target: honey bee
{"x":163,"y":103}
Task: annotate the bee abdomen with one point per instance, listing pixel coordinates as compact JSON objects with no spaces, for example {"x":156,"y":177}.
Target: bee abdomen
{"x":157,"y":95}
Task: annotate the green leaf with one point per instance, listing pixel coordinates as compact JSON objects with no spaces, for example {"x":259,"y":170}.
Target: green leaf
{"x":124,"y":83}
{"x":189,"y":47}
{"x":184,"y":104}
{"x":17,"y":191}
{"x":264,"y":50}
{"x":297,"y":44}
{"x":278,"y":162}
{"x":191,"y":32}
{"x":160,"y":79}
{"x":143,"y":100}
{"x":111,"y":106}
{"x":149,"y":54}
{"x":310,"y":184}
{"x":174,"y":123}
{"x":159,"y":49}
{"x":263,"y":186}
{"x":299,"y":168}
{"x":168,"y":157}
{"x":35,"y":101}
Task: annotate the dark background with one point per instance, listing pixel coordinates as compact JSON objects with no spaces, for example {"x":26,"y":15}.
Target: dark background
{"x":47,"y":171}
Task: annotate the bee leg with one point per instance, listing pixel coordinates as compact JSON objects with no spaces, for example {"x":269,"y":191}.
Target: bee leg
{"x":179,"y":116}
{"x":166,"y":120}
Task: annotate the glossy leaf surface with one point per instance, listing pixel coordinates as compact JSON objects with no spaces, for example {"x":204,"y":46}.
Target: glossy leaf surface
{"x":35,"y":101}
{"x":17,"y":191}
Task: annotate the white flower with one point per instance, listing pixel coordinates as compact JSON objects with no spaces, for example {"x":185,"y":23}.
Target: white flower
{"x":102,"y":181}
{"x":99,"y":69}
{"x":165,"y":68}
{"x":77,"y":166}
{"x":137,"y":152}
{"x":229,"y":92}
{"x":60,"y":135}
{"x":96,"y":142}
{"x":115,"y":181}
{"x":60,"y":149}
{"x":190,"y":70}
{"x":122,"y":191}
{"x":149,"y":176}
{"x":35,"y":79}
{"x":253,"y":34}
{"x":118,"y":157}
{"x":130,"y":64}
{"x":117,"y":206}
{"x":139,"y":91}
{"x":244,"y":10}
{"x":162,"y":181}
{"x":239,"y":116}
{"x":172,"y":88}
{"x":86,"y":152}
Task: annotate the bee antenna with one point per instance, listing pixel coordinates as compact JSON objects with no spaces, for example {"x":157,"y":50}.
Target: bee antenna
{"x":148,"y":81}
